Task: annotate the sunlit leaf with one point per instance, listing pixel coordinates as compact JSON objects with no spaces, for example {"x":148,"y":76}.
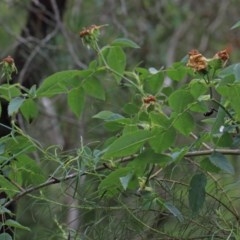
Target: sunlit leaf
{"x":61,"y":82}
{"x":29,"y":171}
{"x":94,"y":88}
{"x":124,"y":42}
{"x":14,"y":105}
{"x":184,"y":123}
{"x":177,"y":72}
{"x":111,"y":184}
{"x":180,"y":99}
{"x":127,"y":144}
{"x":153,"y":82}
{"x":163,"y":139}
{"x":29,"y":109}
{"x":198,"y":87}
{"x":116,"y":60}
{"x":7,"y":187}
{"x":8,"y":92}
{"x":108,"y":116}
{"x":125,"y":180}
{"x":15,"y":224}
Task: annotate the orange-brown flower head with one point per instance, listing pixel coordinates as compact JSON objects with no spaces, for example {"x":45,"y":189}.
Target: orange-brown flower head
{"x":8,"y":60}
{"x":223,"y":55}
{"x":197,"y":61}
{"x":88,"y":31}
{"x":8,"y":67}
{"x":149,"y":99}
{"x":90,"y":35}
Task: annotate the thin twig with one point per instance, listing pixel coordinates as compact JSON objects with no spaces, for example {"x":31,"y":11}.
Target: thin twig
{"x":53,"y":180}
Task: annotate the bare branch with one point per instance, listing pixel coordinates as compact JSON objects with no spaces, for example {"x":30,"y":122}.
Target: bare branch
{"x":53,"y":180}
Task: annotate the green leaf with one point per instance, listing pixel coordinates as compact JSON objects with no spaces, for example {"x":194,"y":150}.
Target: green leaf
{"x":223,"y":140}
{"x":174,"y":210}
{"x":127,"y":144}
{"x":163,"y":139}
{"x":184,"y":123}
{"x":117,"y":124}
{"x":14,"y":105}
{"x":124,"y":42}
{"x":111,"y":185}
{"x":179,"y":100}
{"x":178,"y":154}
{"x":226,"y":73}
{"x":2,"y":148}
{"x":94,"y":88}
{"x":5,"y":236}
{"x":208,"y":166}
{"x":29,"y":171}
{"x":149,"y":156}
{"x":7,"y":187}
{"x":131,"y":108}
{"x":219,"y":120}
{"x":177,"y":72}
{"x":199,"y":106}
{"x":8,"y":92}
{"x":15,"y":224}
{"x":236,"y":72}
{"x":153,"y":83}
{"x":198,"y":87}
{"x":159,"y":119}
{"x":125,"y":180}
{"x":19,"y":145}
{"x":116,"y":60}
{"x":61,"y":82}
{"x":236,"y":25}
{"x":219,"y":160}
{"x":231,"y":92}
{"x":196,"y":194}
{"x":108,"y":116}
{"x":29,"y":109}
{"x":76,"y":100}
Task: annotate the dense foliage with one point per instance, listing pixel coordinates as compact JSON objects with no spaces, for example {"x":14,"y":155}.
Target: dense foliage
{"x":167,"y":169}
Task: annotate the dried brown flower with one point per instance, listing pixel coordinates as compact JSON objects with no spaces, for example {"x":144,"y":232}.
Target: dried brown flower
{"x":149,"y":99}
{"x":89,"y":31}
{"x":8,"y":60}
{"x":223,"y":55}
{"x":197,"y":61}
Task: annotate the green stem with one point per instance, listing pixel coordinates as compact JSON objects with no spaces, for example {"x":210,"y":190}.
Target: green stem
{"x":223,"y":108}
{"x":98,"y":50}
{"x":227,"y":112}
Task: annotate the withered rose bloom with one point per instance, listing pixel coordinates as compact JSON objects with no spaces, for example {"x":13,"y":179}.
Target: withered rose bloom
{"x":197,"y":61}
{"x":90,"y":35}
{"x":8,"y":60}
{"x":89,"y":30}
{"x":149,"y":99}
{"x":223,"y":55}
